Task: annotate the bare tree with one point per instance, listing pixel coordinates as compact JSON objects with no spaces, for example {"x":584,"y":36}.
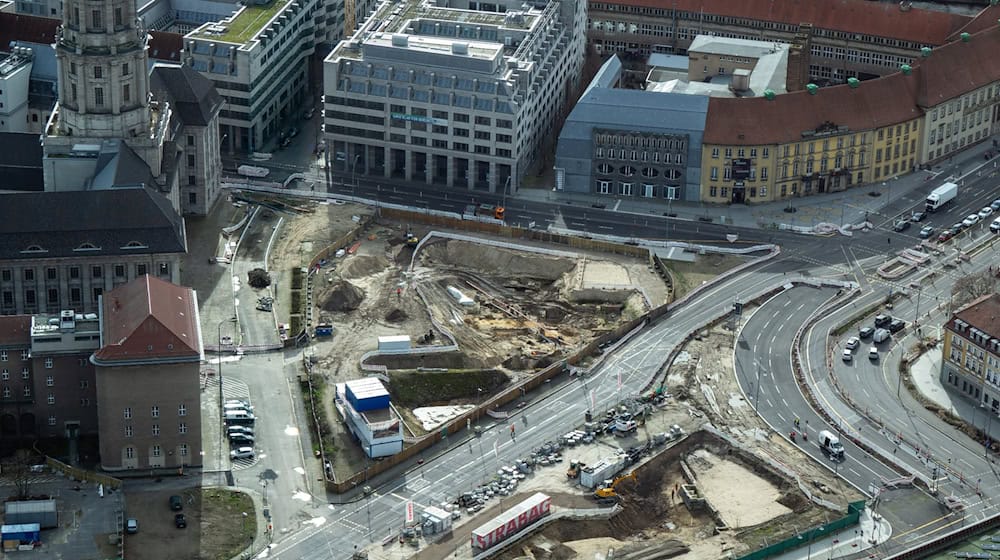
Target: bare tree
{"x":972,"y":286}
{"x":17,"y":471}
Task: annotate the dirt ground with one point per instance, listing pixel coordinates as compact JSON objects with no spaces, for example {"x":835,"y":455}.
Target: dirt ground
{"x":208,"y":512}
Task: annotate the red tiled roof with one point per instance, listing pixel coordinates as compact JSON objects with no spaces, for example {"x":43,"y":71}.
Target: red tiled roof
{"x":149,"y":319}
{"x":15,"y":330}
{"x":164,"y":45}
{"x":32,"y":29}
{"x":984,"y":19}
{"x":874,"y":103}
{"x":959,"y":67}
{"x":983,"y":314}
{"x":855,"y":16}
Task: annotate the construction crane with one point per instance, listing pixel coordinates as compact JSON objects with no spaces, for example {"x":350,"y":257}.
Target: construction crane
{"x":607,"y":489}
{"x":348,"y":18}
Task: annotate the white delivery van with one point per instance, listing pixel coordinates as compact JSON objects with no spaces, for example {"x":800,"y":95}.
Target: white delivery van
{"x":880,"y":335}
{"x":830,"y":444}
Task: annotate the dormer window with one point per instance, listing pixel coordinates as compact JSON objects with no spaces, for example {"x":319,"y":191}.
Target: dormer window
{"x":34,"y":249}
{"x":87,"y":246}
{"x":135,"y":245}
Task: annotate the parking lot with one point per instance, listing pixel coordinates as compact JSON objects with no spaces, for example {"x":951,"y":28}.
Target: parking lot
{"x":156,"y":525}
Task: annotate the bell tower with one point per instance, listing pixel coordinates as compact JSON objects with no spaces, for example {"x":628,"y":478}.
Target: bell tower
{"x":103,"y":78}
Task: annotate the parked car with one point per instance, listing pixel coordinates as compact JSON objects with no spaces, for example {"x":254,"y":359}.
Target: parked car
{"x":995,"y":226}
{"x":995,"y":205}
{"x":131,"y":525}
{"x":918,"y":216}
{"x":245,"y":403}
{"x":308,"y":114}
{"x":866,"y":332}
{"x":896,"y":325}
{"x":946,"y":235}
{"x":926,"y":232}
{"x":242,"y":453}
{"x":853,"y":343}
{"x":984,"y":212}
{"x":958,"y":227}
{"x":180,"y":521}
{"x":847,"y":356}
{"x":241,"y":438}
{"x":881,"y":335}
{"x":901,"y":225}
{"x":882,"y":320}
{"x":239,"y":430}
{"x":970,"y":220}
{"x":873,"y":354}
{"x":176,"y":503}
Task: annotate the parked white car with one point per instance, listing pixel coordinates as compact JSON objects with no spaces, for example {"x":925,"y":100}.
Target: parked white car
{"x":986,"y":211}
{"x":970,"y":220}
{"x":242,"y":453}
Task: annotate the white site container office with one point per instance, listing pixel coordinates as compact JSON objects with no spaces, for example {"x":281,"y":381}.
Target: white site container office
{"x":394,"y":343}
{"x":510,"y":522}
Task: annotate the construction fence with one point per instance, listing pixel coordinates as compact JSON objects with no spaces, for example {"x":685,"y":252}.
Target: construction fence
{"x":854,"y":510}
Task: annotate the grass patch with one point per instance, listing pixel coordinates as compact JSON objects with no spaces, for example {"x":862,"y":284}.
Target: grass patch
{"x":313,"y":401}
{"x":230,"y":533}
{"x":249,"y":21}
{"x":430,"y":388}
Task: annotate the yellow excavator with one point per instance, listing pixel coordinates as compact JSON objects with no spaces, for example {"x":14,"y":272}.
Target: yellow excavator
{"x":607,"y":490}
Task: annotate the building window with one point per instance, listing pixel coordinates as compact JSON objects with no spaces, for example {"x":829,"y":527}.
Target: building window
{"x":96,"y":271}
{"x":119,"y":271}
{"x":97,"y":23}
{"x":84,"y":402}
{"x":48,"y":365}
{"x":118,"y":23}
{"x":53,"y":296}
{"x":98,"y":72}
{"x":126,"y":93}
{"x":27,"y":392}
{"x":25,"y":355}
{"x":84,"y":383}
{"x":75,"y":296}
{"x":72,"y":92}
{"x":165,"y":267}
{"x":129,"y":452}
{"x":140,"y":270}
{"x":29,"y":297}
{"x":51,"y":399}
{"x":182,"y":428}
{"x":156,"y":451}
{"x":97,"y":293}
{"x":128,"y":412}
{"x":156,"y":429}
{"x":29,"y":275}
{"x":182,"y":410}
{"x":5,"y":374}
{"x":51,"y":273}
{"x":155,"y":412}
{"x":128,"y":430}
{"x":3,"y":355}
{"x":52,"y":420}
{"x":190,"y":159}
{"x":74,"y":272}
{"x":6,"y":392}
{"x":715,"y":153}
{"x":99,"y":96}
{"x":49,"y":381}
{"x":190,"y":140}
{"x":184,"y":450}
{"x":25,"y":373}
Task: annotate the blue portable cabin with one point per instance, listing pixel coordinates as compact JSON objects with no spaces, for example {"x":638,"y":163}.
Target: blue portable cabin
{"x":25,"y":533}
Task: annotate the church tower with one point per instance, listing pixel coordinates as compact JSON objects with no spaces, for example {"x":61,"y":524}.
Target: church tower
{"x":103,"y":79}
{"x":105,"y":105}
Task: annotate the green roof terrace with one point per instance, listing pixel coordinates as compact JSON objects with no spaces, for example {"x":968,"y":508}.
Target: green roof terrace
{"x":244,"y":25}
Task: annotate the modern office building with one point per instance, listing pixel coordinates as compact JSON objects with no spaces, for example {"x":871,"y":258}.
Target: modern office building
{"x":15,"y":74}
{"x":970,"y":361}
{"x":364,"y":405}
{"x":258,"y":60}
{"x":128,"y":376}
{"x":463,"y":95}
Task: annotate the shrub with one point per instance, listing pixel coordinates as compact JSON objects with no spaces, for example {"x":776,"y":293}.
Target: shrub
{"x":259,"y":278}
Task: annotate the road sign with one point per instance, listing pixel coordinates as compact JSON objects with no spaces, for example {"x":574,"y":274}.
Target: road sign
{"x":737,"y":309}
{"x":409,"y":512}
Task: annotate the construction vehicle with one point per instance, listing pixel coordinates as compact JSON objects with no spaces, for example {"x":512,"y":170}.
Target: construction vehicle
{"x":490,"y":211}
{"x":606,"y":490}
{"x":574,"y":469}
{"x":411,"y":238}
{"x":625,"y":426}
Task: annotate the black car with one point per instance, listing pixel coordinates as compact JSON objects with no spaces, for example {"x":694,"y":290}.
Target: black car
{"x":896,"y":325}
{"x":176,"y":503}
{"x":866,"y":332}
{"x":882,"y":320}
{"x":180,"y":521}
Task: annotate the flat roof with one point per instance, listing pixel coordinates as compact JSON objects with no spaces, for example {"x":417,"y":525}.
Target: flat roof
{"x":392,"y":338}
{"x":242,"y":26}
{"x":737,"y":47}
{"x":367,"y":388}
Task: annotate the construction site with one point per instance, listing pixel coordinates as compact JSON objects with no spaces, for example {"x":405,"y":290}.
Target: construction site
{"x":481,"y":314}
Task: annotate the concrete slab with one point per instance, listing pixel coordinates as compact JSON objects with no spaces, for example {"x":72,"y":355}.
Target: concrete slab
{"x":675,"y":254}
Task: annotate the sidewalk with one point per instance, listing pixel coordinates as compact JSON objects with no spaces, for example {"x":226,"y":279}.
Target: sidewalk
{"x":871,"y":531}
{"x":851,"y":205}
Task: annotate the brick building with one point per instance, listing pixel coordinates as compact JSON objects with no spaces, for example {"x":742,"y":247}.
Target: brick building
{"x":970,"y":363}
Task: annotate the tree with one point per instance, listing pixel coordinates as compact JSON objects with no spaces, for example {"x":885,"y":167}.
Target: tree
{"x":972,"y":286}
{"x":17,"y":472}
{"x":259,"y":278}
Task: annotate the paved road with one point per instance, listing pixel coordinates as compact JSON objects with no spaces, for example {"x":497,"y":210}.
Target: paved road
{"x":465,"y":464}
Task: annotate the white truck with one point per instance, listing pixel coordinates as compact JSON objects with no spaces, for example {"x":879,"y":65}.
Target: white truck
{"x":252,"y":171}
{"x":830,"y":444}
{"x":941,"y":196}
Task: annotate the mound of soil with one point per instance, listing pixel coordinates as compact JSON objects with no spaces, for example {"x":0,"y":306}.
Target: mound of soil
{"x":492,"y":260}
{"x":359,"y":266}
{"x":396,"y":316}
{"x":342,"y":296}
